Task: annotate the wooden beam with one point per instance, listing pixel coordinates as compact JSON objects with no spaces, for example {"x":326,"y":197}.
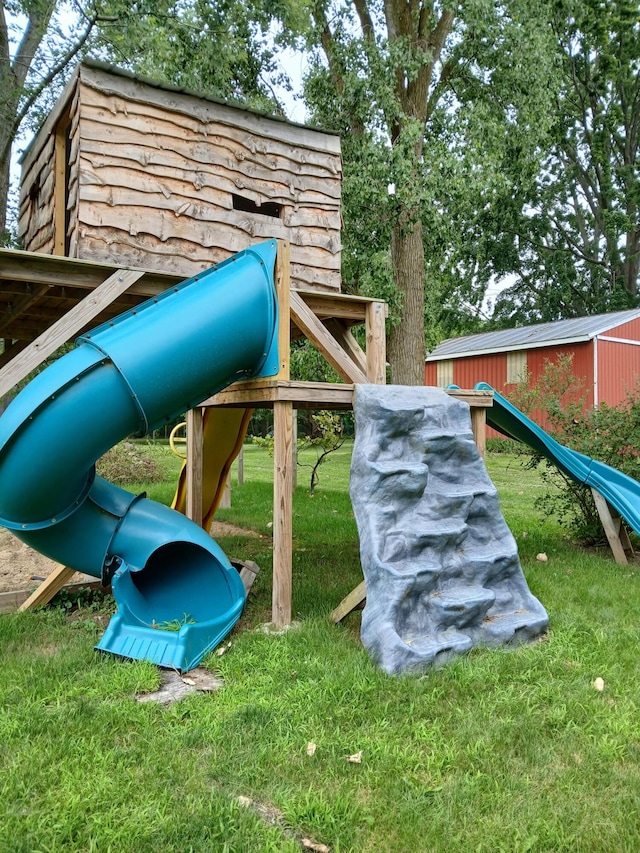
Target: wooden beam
{"x":307,"y":321}
{"x":11,"y":350}
{"x":20,"y":304}
{"x":613,"y":527}
{"x":65,"y":328}
{"x":349,"y":603}
{"x":479,"y":429}
{"x":195,"y":456}
{"x":29,"y":267}
{"x":60,"y":187}
{"x":282,"y":513}
{"x":348,"y":342}
{"x":48,"y":588}
{"x":376,"y":343}
{"x":283,"y":291}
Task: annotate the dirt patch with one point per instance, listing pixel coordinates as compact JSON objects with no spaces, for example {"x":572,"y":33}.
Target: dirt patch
{"x":20,"y":566}
{"x":221,"y":528}
{"x":23,"y":568}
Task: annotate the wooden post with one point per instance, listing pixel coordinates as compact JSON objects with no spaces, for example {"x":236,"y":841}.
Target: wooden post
{"x":376,"y":343}
{"x":294,"y":452}
{"x":225,"y":500}
{"x":282,"y":513}
{"x":479,"y":428}
{"x":241,"y":467}
{"x":194,"y":465}
{"x":60,"y":188}
{"x":283,"y":292}
{"x":617,"y":536}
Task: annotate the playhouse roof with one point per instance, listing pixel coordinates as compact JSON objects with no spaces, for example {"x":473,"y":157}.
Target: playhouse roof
{"x":561,"y":332}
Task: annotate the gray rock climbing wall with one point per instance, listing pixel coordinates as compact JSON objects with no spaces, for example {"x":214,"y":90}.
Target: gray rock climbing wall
{"x":440,"y":564}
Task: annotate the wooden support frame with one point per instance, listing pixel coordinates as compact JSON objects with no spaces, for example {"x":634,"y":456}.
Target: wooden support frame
{"x":615,"y":530}
{"x":324,"y":319}
{"x":64,"y":329}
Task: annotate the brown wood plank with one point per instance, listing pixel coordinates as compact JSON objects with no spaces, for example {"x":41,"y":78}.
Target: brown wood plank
{"x":307,"y":321}
{"x":48,"y":588}
{"x":65,"y":328}
{"x":195,"y":455}
{"x":276,"y":132}
{"x":473,"y":398}
{"x":59,"y":189}
{"x":612,"y":532}
{"x":282,"y":514}
{"x":283,"y":291}
{"x":479,"y":429}
{"x":40,"y":268}
{"x":376,"y":343}
{"x":19,"y":305}
{"x":263,"y":393}
{"x":349,"y":603}
{"x":349,"y":344}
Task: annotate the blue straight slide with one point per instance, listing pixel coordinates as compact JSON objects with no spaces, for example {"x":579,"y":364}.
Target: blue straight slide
{"x":621,"y":492}
{"x":177,"y":593}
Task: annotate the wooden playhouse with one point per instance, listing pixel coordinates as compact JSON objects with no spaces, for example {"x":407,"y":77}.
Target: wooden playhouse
{"x":129,"y":171}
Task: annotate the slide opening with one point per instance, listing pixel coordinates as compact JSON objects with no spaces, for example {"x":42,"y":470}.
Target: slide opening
{"x":181,"y":584}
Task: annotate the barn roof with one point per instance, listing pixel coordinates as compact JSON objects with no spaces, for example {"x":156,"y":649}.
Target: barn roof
{"x":561,"y":332}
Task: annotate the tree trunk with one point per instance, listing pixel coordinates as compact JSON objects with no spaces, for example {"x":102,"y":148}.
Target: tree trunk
{"x":406,"y":340}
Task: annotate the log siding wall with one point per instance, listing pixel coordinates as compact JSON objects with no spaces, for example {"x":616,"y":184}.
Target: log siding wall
{"x":153,"y":174}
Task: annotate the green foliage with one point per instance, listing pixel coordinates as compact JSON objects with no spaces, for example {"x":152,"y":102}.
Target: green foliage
{"x":577,"y":227}
{"x":610,"y":434}
{"x":325,"y":437}
{"x":125,"y":464}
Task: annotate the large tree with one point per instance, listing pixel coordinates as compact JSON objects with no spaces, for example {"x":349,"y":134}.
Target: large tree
{"x":436,"y":103}
{"x":578,"y":231}
{"x":35,"y":51}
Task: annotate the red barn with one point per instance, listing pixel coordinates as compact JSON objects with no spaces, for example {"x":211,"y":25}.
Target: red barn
{"x":605,"y":350}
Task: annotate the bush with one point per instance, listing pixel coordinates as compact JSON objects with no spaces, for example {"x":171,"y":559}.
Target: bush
{"x":125,"y":464}
{"x":610,"y":434}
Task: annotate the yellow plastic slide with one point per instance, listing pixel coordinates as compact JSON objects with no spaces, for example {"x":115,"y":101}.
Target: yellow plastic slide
{"x":223,"y":434}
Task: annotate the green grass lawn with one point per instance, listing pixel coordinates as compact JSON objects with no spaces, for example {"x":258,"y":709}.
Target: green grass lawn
{"x":508,"y":750}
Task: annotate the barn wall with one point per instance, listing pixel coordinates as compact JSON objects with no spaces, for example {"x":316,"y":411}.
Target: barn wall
{"x":468,"y":371}
{"x":618,"y":371}
{"x":157,"y":171}
{"x":492,"y":368}
{"x":630,"y":331}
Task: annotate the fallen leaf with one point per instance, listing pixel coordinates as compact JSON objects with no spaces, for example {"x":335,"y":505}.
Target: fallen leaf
{"x":188,"y":681}
{"x":223,"y":649}
{"x":542,"y":558}
{"x":356,"y":758}
{"x":311,"y":748}
{"x":269,"y":523}
{"x":598,"y":684}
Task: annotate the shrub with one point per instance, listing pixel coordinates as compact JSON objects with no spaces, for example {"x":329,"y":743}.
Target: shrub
{"x":610,"y":434}
{"x":125,"y":464}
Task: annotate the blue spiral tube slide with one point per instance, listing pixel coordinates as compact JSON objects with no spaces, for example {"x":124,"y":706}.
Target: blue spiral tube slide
{"x":176,"y":591}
